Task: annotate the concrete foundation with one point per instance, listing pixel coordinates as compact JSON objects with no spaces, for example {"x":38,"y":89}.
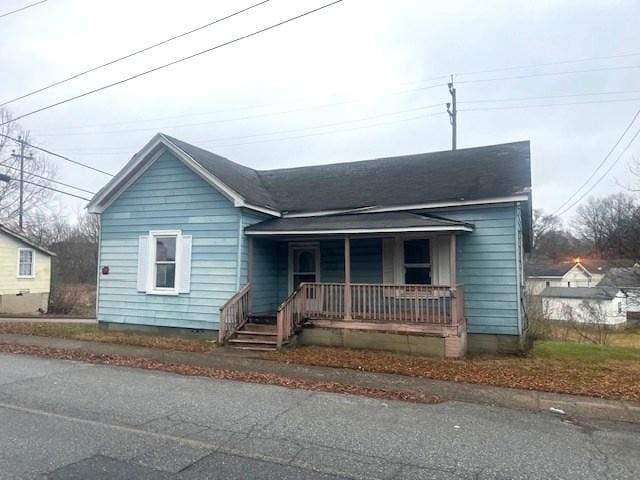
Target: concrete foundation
{"x":427,"y":345}
{"x":34,"y":303}
{"x":159,"y":331}
{"x":490,"y":343}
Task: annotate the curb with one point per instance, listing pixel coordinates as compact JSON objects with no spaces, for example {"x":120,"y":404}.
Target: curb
{"x":562,"y":405}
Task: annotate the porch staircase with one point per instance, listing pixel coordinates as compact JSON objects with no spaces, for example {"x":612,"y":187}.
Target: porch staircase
{"x":258,"y":334}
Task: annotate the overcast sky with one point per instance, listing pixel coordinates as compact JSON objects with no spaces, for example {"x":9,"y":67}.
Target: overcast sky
{"x":347,"y":83}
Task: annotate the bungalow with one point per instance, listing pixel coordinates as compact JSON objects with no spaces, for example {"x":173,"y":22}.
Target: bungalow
{"x":417,"y":253}
{"x":25,"y":274}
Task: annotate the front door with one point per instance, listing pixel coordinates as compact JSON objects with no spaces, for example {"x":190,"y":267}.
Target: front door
{"x":304,"y":265}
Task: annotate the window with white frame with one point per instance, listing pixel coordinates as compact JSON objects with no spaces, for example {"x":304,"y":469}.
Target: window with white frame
{"x":417,"y":262}
{"x":164,"y":271}
{"x":164,"y":262}
{"x":26,"y":263}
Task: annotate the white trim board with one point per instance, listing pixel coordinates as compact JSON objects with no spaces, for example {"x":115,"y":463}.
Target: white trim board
{"x":345,"y":231}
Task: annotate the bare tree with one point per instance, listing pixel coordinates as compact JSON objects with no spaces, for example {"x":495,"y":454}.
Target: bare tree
{"x":611,"y":225}
{"x":37,"y":170}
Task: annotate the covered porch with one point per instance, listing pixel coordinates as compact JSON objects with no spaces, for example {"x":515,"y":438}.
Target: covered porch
{"x":391,"y":273}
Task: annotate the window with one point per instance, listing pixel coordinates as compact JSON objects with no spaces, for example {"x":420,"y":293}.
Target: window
{"x":164,"y":274}
{"x":619,"y":307}
{"x":568,"y":284}
{"x":164,"y":262}
{"x":26,"y":260}
{"x":417,"y":262}
{"x":547,"y":283}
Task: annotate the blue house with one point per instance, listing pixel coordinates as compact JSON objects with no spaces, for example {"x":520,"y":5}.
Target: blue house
{"x":419,"y":253}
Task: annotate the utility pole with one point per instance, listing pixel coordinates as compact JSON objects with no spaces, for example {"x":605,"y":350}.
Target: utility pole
{"x":21,"y":156}
{"x":452,"y":110}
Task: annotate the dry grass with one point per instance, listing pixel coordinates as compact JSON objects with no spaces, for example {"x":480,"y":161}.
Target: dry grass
{"x":561,"y":367}
{"x":624,"y":337}
{"x":76,"y":331}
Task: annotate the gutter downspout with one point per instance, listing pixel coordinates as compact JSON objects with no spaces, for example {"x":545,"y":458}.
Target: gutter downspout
{"x":518,"y":267}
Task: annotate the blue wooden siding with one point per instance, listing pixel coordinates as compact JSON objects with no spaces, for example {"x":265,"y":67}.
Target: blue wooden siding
{"x":169,"y":196}
{"x":486,"y":265}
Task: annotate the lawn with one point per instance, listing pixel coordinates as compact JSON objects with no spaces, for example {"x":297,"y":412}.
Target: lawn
{"x":552,"y":366}
{"x":76,"y":331}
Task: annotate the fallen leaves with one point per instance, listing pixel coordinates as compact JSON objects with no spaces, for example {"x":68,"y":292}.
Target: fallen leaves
{"x":613,"y":379}
{"x":218,"y":373}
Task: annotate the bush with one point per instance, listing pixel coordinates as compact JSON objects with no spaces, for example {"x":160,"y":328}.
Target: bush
{"x":72,"y":299}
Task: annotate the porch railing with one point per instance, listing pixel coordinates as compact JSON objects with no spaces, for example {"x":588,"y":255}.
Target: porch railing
{"x":234,"y":313}
{"x":412,"y":304}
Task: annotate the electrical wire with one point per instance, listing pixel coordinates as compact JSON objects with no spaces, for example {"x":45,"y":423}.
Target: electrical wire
{"x":48,"y":179}
{"x":22,"y":8}
{"x":133,"y":54}
{"x":182,"y":59}
{"x":58,"y":155}
{"x":57,"y":190}
{"x":562,"y":210}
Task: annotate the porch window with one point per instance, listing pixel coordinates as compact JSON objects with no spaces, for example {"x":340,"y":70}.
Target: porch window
{"x":165,"y":262}
{"x":417,"y":262}
{"x":26,"y":257}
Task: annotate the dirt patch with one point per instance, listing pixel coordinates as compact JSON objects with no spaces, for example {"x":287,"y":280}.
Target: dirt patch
{"x":93,"y":333}
{"x":219,"y":373}
{"x":548,"y":371}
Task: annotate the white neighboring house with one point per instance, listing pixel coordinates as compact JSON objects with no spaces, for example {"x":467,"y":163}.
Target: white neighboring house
{"x":598,"y":305}
{"x":626,"y":279}
{"x":586,"y":273}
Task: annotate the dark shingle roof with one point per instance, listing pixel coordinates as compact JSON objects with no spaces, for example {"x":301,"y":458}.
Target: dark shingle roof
{"x":465,"y":174}
{"x":621,"y":277}
{"x":547,"y":269}
{"x":243,"y":180}
{"x":593,"y":293}
{"x":369,"y":221}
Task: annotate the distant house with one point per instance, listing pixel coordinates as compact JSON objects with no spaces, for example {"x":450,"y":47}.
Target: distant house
{"x":422,"y":253}
{"x":25,"y":274}
{"x":575,"y":274}
{"x":626,"y":279}
{"x":597,"y":305}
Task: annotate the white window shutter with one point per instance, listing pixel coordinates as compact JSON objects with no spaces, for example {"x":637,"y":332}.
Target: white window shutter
{"x":184,"y":282}
{"x":143,"y":263}
{"x":388,"y":260}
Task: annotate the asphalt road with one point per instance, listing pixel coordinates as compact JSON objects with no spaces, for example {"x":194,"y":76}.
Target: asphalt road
{"x":69,"y":420}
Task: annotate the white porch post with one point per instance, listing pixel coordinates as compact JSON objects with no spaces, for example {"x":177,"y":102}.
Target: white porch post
{"x":452,"y":276}
{"x":347,"y":278}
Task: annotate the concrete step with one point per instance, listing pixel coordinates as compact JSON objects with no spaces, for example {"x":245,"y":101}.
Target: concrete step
{"x":256,"y":349}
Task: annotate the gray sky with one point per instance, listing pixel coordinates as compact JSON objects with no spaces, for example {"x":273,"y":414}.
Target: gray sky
{"x":344,"y":84}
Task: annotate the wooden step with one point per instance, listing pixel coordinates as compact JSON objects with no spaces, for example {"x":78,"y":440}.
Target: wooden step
{"x":261,"y":341}
{"x":259,"y":327}
{"x":257,"y":332}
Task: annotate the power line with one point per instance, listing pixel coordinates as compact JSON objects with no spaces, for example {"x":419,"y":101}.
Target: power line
{"x":137,"y":52}
{"x":228,"y":120}
{"x":600,"y":165}
{"x":56,"y":190}
{"x":48,"y":179}
{"x":545,"y":97}
{"x":548,"y":64}
{"x":59,"y":156}
{"x":189,"y":57}
{"x":22,"y":8}
{"x":550,"y":74}
{"x":544,"y":105}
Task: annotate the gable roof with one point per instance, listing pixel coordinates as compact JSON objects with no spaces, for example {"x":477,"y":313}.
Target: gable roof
{"x":22,"y":239}
{"x":592,"y":293}
{"x":357,"y":223}
{"x":478,"y":175}
{"x":621,"y":278}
